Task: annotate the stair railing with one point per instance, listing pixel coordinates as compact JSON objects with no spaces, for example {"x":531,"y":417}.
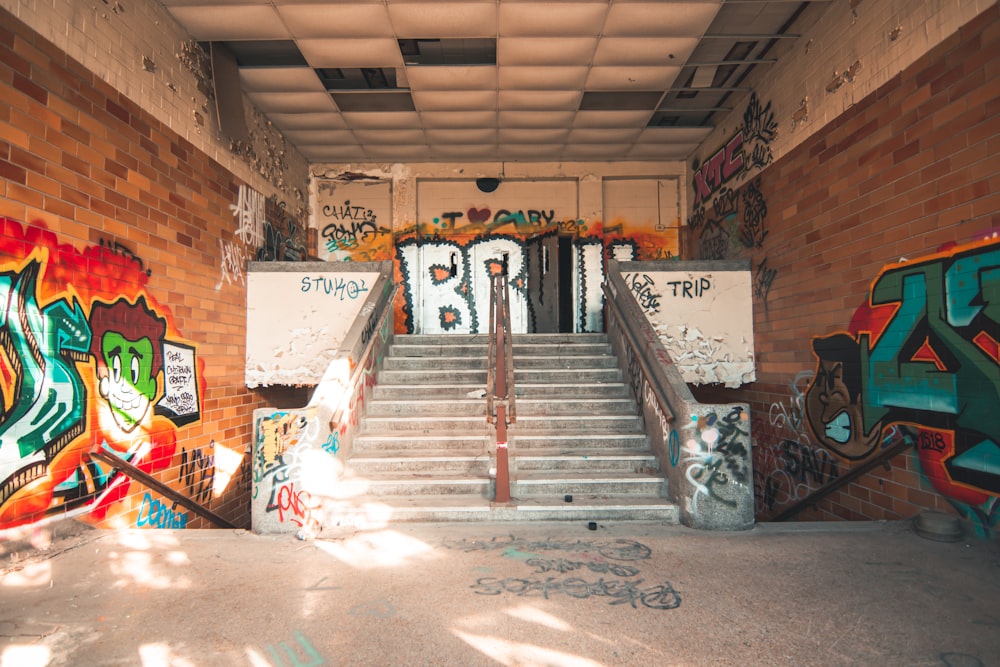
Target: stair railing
{"x":500,"y":402}
{"x":143,"y":477}
{"x":905,"y":441}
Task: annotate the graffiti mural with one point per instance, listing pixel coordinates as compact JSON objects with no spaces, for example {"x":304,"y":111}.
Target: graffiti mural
{"x":730,"y":210}
{"x":924,"y":351}
{"x":87,"y":361}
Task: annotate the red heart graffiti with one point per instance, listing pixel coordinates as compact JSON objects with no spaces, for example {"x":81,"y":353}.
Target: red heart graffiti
{"x":478,"y":214}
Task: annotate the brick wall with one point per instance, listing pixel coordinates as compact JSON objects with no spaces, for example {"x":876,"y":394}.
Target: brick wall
{"x":910,"y":171}
{"x":121,"y":267}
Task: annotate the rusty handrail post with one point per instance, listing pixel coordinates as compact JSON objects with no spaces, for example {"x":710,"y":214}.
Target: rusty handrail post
{"x":500,"y":382}
{"x":509,"y":358}
{"x":491,"y":353}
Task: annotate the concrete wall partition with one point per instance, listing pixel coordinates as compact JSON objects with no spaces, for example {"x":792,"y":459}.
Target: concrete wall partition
{"x":704,"y":448}
{"x":298,"y":452}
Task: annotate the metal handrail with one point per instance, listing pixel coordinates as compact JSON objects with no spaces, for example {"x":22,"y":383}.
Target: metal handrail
{"x":883,"y":457}
{"x":509,"y":349}
{"x":143,"y":477}
{"x":500,"y":381}
{"x":359,"y":367}
{"x":647,"y":371}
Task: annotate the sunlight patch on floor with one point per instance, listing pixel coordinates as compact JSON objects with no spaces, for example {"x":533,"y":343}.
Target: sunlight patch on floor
{"x":385,"y":548}
{"x":508,"y":652}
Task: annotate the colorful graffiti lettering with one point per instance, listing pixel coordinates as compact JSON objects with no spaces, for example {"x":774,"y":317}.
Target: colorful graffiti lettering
{"x":924,"y":351}
{"x":727,"y":215}
{"x":63,"y":309}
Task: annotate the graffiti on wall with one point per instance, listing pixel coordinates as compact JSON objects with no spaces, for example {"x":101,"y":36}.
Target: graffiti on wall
{"x":730,"y":210}
{"x":87,"y":361}
{"x":924,"y":350}
{"x":264,"y":232}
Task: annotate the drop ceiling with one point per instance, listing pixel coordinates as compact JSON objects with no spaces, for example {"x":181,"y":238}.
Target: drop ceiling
{"x":438,"y":80}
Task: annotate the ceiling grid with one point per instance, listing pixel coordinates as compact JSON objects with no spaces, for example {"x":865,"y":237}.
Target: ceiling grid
{"x":441,"y":80}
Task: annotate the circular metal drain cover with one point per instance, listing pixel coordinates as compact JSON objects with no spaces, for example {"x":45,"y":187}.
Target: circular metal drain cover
{"x":938,"y":526}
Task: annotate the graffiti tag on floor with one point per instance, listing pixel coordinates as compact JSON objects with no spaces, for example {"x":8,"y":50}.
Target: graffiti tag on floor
{"x":620,"y":558}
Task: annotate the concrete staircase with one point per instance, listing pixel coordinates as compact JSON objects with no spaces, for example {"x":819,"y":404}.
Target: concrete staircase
{"x":577,"y":450}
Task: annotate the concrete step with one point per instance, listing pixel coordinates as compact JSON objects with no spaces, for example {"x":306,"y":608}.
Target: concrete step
{"x":565,"y":375}
{"x":442,"y":392}
{"x":594,"y":407}
{"x":564,"y":361}
{"x":417,"y":442}
{"x":423,"y":484}
{"x":435,"y":462}
{"x":562,"y":349}
{"x":426,"y":425}
{"x":367,"y":511}
{"x":426,"y":407}
{"x":596,"y":484}
{"x":453,"y":350}
{"x":558,"y":424}
{"x":434,"y":363}
{"x":593,"y":460}
{"x":573,"y":390}
{"x":573,"y":441}
{"x":433,"y":376}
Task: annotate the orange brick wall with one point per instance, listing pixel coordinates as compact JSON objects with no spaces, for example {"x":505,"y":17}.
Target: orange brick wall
{"x":100,"y":203}
{"x":911,"y":170}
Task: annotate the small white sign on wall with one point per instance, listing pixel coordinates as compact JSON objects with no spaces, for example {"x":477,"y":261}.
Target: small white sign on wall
{"x":704,"y":319}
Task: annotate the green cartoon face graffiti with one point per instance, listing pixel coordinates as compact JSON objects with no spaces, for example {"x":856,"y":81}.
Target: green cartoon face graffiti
{"x":129,"y":386}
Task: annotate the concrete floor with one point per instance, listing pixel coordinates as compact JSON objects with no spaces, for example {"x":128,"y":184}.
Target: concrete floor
{"x":507,"y":594}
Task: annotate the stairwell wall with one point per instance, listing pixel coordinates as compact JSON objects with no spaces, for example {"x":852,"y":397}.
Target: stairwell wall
{"x":122,"y":251}
{"x":874,"y":246}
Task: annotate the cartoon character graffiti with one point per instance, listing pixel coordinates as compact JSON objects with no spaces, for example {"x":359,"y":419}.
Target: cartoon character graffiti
{"x":923,"y":351}
{"x":127,"y":342}
{"x":833,"y":400}
{"x":54,"y":411}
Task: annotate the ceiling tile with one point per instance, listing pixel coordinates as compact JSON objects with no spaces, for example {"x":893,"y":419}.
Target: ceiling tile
{"x":676,"y":18}
{"x":611,"y":118}
{"x":458,"y":119}
{"x":219,"y":23}
{"x":329,"y":20}
{"x":444,"y":77}
{"x":685,"y":135}
{"x":320,"y":137}
{"x":633,"y":51}
{"x":631,"y":78}
{"x":549,"y":19}
{"x":595,"y":151}
{"x":366,"y":52}
{"x":292,"y":102}
{"x":400,"y":153}
{"x":539,"y":100}
{"x":280,"y":79}
{"x":536,"y":119}
{"x":604,"y":135}
{"x":343,"y":153}
{"x":542,"y":78}
{"x":528,"y":136}
{"x":384,"y":120}
{"x":476,"y":151}
{"x":384,"y":137}
{"x":443,"y":19}
{"x":471,"y":136}
{"x":536,"y":51}
{"x":662,"y":151}
{"x":308,"y":121}
{"x":529,"y":151}
{"x":468,"y":100}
